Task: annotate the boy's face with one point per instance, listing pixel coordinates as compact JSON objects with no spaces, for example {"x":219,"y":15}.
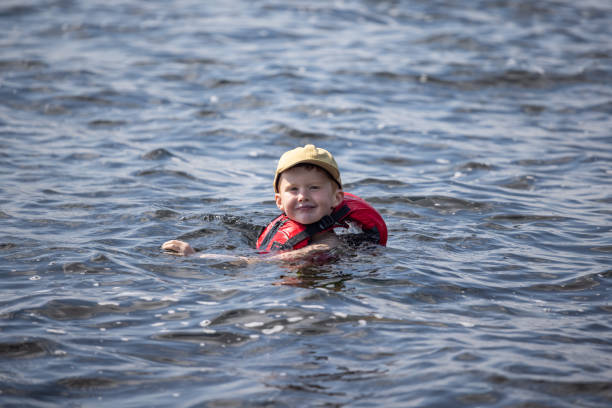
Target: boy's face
{"x":307,"y":194}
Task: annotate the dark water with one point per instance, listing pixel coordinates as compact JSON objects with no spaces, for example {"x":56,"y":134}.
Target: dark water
{"x":482,"y":133}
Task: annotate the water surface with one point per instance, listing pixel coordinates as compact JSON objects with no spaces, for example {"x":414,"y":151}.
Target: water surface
{"x":480,"y":132}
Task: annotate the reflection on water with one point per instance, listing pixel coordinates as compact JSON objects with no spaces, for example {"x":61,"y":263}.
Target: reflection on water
{"x":480,"y":132}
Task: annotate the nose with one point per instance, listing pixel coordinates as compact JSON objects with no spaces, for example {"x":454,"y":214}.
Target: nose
{"x":302,"y":196}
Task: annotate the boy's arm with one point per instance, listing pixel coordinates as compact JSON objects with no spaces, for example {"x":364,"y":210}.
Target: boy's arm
{"x":183,"y":248}
{"x":301,"y":253}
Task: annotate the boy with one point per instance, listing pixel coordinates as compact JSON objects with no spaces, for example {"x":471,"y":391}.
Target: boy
{"x":307,"y":187}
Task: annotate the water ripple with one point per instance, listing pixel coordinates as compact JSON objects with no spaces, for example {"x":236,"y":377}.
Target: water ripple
{"x":480,"y":133}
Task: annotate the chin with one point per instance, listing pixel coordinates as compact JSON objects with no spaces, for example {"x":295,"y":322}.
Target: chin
{"x":304,"y":221}
{"x":307,"y":219}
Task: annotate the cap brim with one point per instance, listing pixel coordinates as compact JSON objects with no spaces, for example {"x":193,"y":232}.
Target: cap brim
{"x":333,"y":171}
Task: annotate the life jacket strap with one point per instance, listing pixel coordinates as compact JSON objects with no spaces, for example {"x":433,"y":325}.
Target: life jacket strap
{"x":325,"y":223}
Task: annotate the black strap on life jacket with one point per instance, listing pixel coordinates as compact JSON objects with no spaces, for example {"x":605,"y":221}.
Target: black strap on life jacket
{"x":323,"y":224}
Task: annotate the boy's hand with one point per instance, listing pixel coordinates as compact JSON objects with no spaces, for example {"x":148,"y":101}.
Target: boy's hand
{"x":180,"y":247}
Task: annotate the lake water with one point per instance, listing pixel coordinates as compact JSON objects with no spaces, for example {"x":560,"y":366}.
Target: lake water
{"x":481,"y":131}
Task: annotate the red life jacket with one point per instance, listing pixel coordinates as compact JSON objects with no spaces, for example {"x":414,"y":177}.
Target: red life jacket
{"x":284,"y":234}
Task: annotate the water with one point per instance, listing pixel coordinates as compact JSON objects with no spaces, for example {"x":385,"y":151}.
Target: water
{"x":480,"y":132}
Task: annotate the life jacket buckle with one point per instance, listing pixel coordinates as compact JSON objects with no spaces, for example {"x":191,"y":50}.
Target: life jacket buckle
{"x":326,"y":222}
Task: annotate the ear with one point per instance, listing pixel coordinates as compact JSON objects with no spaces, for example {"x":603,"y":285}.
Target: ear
{"x":279,"y":201}
{"x":338,"y":197}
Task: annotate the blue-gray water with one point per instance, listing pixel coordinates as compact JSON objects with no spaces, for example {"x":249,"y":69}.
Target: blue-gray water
{"x":480,"y":130}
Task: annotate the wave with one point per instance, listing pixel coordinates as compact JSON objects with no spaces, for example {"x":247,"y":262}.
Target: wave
{"x":444,"y":204}
{"x":291,"y":132}
{"x":581,"y":283}
{"x":26,"y":349}
{"x":470,"y":79}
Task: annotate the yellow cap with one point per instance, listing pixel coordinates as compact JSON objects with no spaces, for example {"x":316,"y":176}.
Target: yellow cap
{"x":308,"y":154}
